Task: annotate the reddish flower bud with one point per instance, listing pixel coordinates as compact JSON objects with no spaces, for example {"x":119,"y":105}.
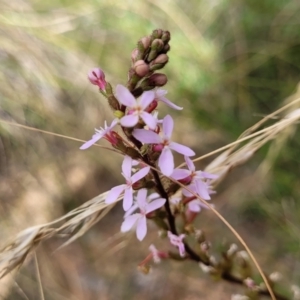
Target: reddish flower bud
{"x":158,"y":79}
{"x":146,"y":41}
{"x":97,"y":77}
{"x":141,"y":68}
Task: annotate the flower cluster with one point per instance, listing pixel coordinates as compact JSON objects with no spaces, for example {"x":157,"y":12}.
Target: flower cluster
{"x":147,"y":145}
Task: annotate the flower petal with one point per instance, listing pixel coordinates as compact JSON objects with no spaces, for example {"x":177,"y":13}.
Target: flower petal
{"x":129,"y":120}
{"x":96,"y":137}
{"x":154,"y":205}
{"x":131,"y":210}
{"x":153,"y":196}
{"x":142,"y":198}
{"x":180,"y":174}
{"x":124,"y":96}
{"x":140,"y":174}
{"x":141,"y":228}
{"x":161,"y":98}
{"x":182,"y":149}
{"x":168,"y":125}
{"x":149,"y":120}
{"x":166,"y":162}
{"x":128,"y":198}
{"x":147,"y":136}
{"x":194,"y":206}
{"x":126,"y":167}
{"x":146,"y":98}
{"x":208,"y":175}
{"x":189,"y":163}
{"x":202,"y":189}
{"x":129,"y":222}
{"x":114,"y":193}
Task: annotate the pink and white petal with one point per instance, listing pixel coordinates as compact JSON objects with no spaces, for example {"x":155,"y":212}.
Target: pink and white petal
{"x":194,"y":206}
{"x":129,"y":120}
{"x":140,"y":174}
{"x":146,"y":99}
{"x":141,"y":228}
{"x":169,"y":103}
{"x":124,"y":96}
{"x":129,"y":222}
{"x":166,"y":162}
{"x":128,"y":198}
{"x":155,"y":204}
{"x":133,"y":208}
{"x":207,"y":175}
{"x":189,"y":163}
{"x":114,"y":123}
{"x":126,"y":167}
{"x":202,"y":189}
{"x":191,"y":187}
{"x":180,"y":174}
{"x":96,"y":137}
{"x":182,"y":149}
{"x":153,"y":196}
{"x":114,"y":193}
{"x":142,"y":198}
{"x":168,"y":125}
{"x":181,"y":249}
{"x":149,"y":120}
{"x":147,"y":136}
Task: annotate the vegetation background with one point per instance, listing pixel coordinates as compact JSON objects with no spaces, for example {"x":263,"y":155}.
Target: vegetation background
{"x":231,"y":62}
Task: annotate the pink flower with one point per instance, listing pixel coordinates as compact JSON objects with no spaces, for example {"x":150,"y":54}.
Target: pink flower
{"x":191,"y":176}
{"x":139,"y":219}
{"x":155,"y":254}
{"x":136,"y":107}
{"x":196,"y":205}
{"x":177,"y":241}
{"x":97,"y":77}
{"x":159,"y":96}
{"x":126,"y":188}
{"x":166,"y":160}
{"x":105,"y":132}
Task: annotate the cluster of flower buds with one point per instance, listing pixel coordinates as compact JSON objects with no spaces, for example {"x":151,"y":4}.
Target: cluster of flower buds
{"x":148,"y":146}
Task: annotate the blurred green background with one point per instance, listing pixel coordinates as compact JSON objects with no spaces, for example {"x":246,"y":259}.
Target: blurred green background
{"x":231,"y":62}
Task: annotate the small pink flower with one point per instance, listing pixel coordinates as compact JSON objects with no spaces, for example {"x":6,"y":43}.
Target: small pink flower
{"x":139,"y":219}
{"x":166,"y":160}
{"x":197,"y":178}
{"x":177,"y":241}
{"x":126,"y":188}
{"x":105,"y":132}
{"x":136,"y":108}
{"x":196,"y":205}
{"x":155,"y":254}
{"x":97,"y":77}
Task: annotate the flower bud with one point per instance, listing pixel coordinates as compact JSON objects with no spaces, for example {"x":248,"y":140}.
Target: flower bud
{"x":155,"y":80}
{"x":232,"y":251}
{"x":166,"y":48}
{"x":166,"y":37}
{"x":146,"y":40}
{"x":97,"y":77}
{"x":141,"y":68}
{"x":157,"y":33}
{"x":275,"y":276}
{"x":159,"y":62}
{"x":156,"y":46}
